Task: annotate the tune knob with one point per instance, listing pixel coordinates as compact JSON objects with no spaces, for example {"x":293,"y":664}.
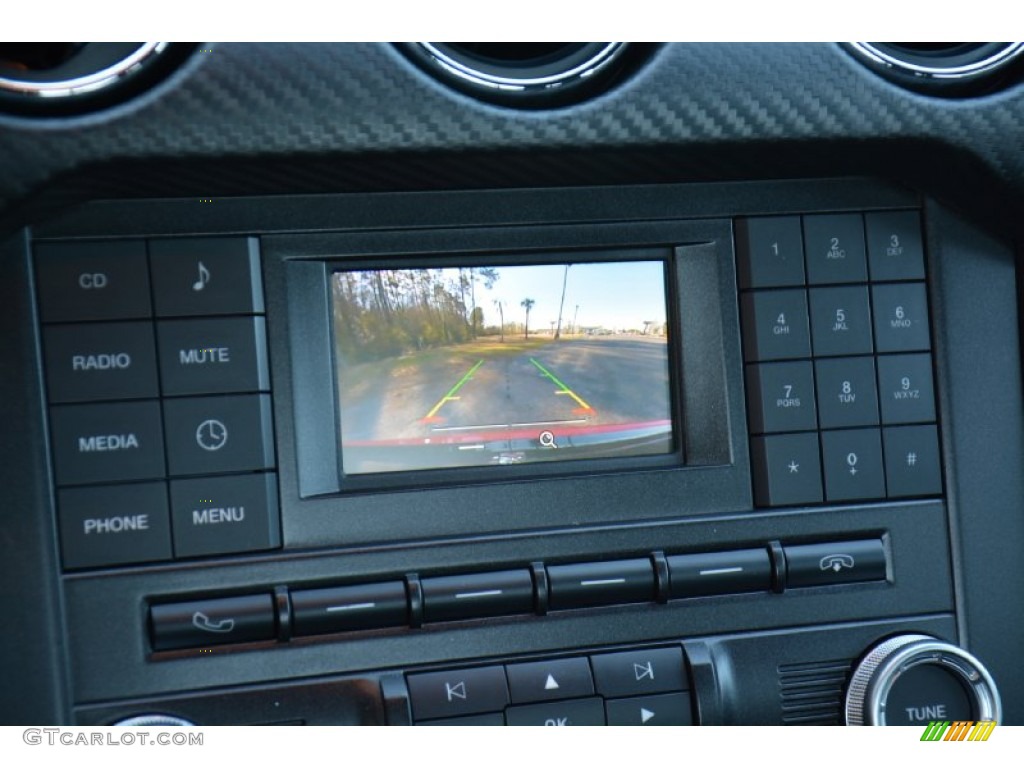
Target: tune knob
{"x":914,"y":679}
{"x":156,"y":719}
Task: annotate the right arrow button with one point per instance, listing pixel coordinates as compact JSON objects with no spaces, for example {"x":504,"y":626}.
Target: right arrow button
{"x":667,"y":709}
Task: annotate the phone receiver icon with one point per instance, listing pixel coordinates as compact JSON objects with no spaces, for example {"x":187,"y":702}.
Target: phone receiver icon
{"x":836,"y":562}
{"x":204,"y":278}
{"x":201,"y":621}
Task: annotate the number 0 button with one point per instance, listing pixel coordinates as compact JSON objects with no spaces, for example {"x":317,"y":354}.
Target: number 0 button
{"x":853,"y":464}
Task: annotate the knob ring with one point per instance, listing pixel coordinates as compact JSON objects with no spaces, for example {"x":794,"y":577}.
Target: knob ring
{"x":877,"y":674}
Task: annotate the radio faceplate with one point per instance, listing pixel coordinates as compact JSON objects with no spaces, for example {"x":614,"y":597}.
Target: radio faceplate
{"x":340,"y":534}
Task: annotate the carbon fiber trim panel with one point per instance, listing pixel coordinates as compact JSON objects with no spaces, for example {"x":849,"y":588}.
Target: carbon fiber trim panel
{"x":281,"y":118}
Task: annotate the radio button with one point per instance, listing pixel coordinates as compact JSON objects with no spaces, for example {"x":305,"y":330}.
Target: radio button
{"x":586,"y":584}
{"x":106,"y":443}
{"x":841,"y":562}
{"x":207,"y":435}
{"x":347,"y":609}
{"x":775,"y":325}
{"x":912,"y":461}
{"x":472,"y":596}
{"x":780,"y":397}
{"x":199,"y":357}
{"x":840,"y":321}
{"x":853,"y":465}
{"x":894,"y":245}
{"x":654,"y":670}
{"x":770,"y":251}
{"x":114,"y":524}
{"x":901,"y":317}
{"x":905,"y":387}
{"x":786,"y":469}
{"x":212,"y":622}
{"x":93,"y":281}
{"x":106,"y":361}
{"x":218,"y":515}
{"x":835,"y":249}
{"x":574,"y":712}
{"x":206,"y":276}
{"x":847,"y":396}
{"x":549,"y":680}
{"x":457,"y":692}
{"x":719,"y":573}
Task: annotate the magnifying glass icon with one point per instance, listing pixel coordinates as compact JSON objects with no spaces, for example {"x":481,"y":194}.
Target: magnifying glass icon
{"x":547,"y":439}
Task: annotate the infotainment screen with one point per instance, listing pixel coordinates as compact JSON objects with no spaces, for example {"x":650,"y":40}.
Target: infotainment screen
{"x":501,"y":365}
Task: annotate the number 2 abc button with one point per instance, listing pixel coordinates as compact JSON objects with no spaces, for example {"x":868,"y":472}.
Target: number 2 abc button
{"x":209,"y":435}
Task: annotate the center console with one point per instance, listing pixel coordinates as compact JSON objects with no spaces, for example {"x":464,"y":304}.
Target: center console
{"x":655,"y":455}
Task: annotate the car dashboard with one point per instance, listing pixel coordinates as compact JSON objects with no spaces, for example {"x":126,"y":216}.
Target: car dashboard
{"x":346,"y":384}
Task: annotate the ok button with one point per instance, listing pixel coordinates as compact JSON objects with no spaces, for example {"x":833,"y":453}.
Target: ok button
{"x":209,"y":435}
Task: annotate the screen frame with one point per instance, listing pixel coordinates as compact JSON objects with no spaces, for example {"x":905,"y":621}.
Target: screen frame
{"x":448,"y":476}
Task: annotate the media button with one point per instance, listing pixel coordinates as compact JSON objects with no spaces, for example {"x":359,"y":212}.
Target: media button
{"x":105,"y":361}
{"x":114,"y":524}
{"x":206,"y":276}
{"x":106,"y":443}
{"x":92,"y":281}
{"x":199,"y":357}
{"x":218,"y":515}
{"x":208,"y":435}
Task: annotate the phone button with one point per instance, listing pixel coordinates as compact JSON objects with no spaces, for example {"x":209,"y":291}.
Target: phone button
{"x":840,"y":562}
{"x":203,"y":623}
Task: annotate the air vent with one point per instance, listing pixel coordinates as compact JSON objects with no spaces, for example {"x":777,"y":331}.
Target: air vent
{"x":65,"y":78}
{"x":950,"y":69}
{"x":528,"y":75}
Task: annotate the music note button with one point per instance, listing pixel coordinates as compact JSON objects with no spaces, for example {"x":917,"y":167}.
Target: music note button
{"x":206,"y":276}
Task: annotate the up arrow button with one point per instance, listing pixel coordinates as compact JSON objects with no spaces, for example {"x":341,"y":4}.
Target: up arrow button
{"x":549,"y":680}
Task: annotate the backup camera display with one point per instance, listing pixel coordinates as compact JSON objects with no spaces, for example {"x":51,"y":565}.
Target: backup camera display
{"x":480,"y":366}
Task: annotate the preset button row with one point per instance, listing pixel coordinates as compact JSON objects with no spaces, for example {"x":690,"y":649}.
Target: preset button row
{"x":411,"y":601}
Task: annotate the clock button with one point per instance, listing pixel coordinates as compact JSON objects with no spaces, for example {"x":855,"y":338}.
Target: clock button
{"x":211,"y":435}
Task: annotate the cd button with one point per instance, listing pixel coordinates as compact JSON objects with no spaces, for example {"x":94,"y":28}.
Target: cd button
{"x":207,"y":356}
{"x":93,"y":281}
